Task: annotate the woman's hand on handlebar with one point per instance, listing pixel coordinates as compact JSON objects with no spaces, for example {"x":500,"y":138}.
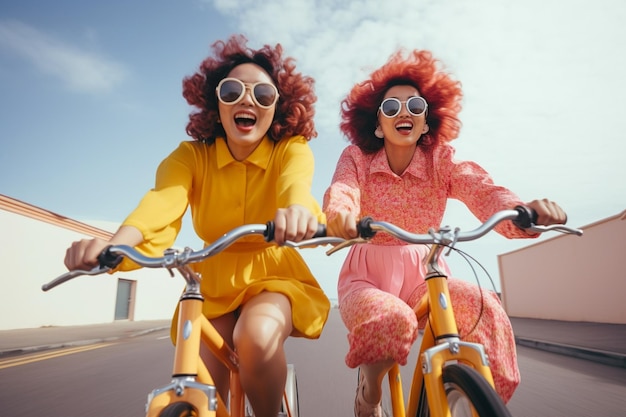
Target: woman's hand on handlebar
{"x":83,"y":254}
{"x":548,"y":212}
{"x":294,"y":223}
{"x":343,"y":225}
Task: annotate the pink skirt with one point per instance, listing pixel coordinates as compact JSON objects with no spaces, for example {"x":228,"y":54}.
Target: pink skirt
{"x":378,"y":287}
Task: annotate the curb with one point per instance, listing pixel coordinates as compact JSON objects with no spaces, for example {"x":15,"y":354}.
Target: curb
{"x":60,"y":345}
{"x":595,"y":355}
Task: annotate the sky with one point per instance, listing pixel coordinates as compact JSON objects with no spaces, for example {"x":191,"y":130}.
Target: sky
{"x":90,"y":95}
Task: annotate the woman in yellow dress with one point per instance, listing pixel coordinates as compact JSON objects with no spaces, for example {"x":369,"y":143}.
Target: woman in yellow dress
{"x":249,"y":162}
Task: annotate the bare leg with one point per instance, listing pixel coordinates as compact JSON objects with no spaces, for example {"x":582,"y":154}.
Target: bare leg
{"x":220,"y":373}
{"x":374,"y":374}
{"x":260,"y":332}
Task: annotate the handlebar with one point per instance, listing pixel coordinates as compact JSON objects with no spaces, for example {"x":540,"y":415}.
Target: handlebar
{"x":522,"y":216}
{"x":172,"y":258}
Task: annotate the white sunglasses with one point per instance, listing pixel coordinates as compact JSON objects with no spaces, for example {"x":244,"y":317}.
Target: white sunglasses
{"x":230,"y":91}
{"x":391,"y":107}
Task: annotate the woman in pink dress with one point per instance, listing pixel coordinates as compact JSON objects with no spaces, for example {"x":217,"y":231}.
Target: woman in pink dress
{"x":401,"y":168}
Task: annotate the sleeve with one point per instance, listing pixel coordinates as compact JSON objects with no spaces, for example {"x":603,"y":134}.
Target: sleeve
{"x":471,"y":184}
{"x":296,"y":177}
{"x":344,"y":192}
{"x":159,"y":213}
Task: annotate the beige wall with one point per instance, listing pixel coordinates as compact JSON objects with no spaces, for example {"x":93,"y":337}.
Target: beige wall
{"x":569,"y":277}
{"x":32,"y":254}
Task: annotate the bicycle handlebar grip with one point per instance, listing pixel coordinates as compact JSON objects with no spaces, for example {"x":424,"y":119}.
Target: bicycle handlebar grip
{"x":364,"y":228}
{"x":271,"y":227}
{"x":106,"y":258}
{"x":526,"y":217}
{"x":321,"y":230}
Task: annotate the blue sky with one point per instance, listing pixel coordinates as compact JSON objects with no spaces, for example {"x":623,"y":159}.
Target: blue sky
{"x":90,"y":93}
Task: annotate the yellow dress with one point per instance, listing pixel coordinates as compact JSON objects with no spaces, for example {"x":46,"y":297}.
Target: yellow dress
{"x":224,"y":193}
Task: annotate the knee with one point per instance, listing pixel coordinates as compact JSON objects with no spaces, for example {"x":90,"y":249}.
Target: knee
{"x":401,"y":317}
{"x":249,"y":350}
{"x":258,"y":343}
{"x":251,"y":338}
{"x":404,"y":322}
{"x":264,"y":324}
{"x":394,"y":324}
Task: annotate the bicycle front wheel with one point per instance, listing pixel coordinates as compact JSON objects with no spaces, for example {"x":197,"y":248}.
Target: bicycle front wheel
{"x":469,"y":394}
{"x":179,"y":409}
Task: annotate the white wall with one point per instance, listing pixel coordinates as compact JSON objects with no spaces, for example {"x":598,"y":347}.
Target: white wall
{"x":32,"y":254}
{"x":569,"y":278}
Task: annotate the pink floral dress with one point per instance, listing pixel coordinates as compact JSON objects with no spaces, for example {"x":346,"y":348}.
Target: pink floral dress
{"x":380,"y":282}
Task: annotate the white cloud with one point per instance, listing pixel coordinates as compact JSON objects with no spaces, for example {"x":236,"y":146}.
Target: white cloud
{"x":82,"y":71}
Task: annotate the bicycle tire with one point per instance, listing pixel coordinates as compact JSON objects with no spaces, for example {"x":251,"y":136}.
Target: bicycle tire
{"x":179,"y":409}
{"x":464,"y":385}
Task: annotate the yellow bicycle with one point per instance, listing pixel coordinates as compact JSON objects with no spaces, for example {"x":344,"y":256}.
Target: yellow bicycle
{"x":452,"y":378}
{"x":191,"y":391}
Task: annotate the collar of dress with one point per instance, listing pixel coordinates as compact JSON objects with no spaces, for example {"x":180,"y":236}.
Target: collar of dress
{"x":417,"y":167}
{"x":259,"y":157}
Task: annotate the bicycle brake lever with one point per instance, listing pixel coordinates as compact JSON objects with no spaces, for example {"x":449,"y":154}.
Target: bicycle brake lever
{"x":527,"y":220}
{"x":365,"y":234}
{"x":555,"y":228}
{"x":73,"y":274}
{"x":345,"y":244}
{"x":313,"y":242}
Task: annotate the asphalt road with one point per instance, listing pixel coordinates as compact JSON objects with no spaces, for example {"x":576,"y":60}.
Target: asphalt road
{"x":113,"y":380}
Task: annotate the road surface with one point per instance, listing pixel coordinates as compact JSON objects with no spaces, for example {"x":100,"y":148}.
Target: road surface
{"x":113,"y":379}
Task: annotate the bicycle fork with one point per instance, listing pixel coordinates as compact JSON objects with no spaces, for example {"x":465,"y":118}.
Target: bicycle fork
{"x":184,"y":386}
{"x":441,"y":343}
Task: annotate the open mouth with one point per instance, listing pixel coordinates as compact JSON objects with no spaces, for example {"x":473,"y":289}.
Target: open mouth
{"x":245,"y":119}
{"x":404,"y":126}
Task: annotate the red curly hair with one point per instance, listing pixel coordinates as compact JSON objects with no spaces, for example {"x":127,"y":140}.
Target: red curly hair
{"x":294,"y":109}
{"x":359,"y":110}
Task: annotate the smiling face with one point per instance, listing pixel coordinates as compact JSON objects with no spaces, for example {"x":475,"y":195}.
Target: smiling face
{"x":244,"y":122}
{"x":404,"y":129}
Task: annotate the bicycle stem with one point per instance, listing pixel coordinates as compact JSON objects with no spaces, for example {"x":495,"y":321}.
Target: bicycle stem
{"x":432,"y":261}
